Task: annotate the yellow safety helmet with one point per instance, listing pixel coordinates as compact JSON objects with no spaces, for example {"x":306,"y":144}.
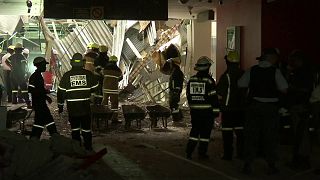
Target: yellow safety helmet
{"x":113,"y":58}
{"x":103,"y":48}
{"x":11,"y":47}
{"x":93,"y":45}
{"x":233,"y":57}
{"x":203,"y":63}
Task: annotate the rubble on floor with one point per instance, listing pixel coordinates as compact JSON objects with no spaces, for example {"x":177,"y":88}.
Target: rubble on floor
{"x":55,"y":158}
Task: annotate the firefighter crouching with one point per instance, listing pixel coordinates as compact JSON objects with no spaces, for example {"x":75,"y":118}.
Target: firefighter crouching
{"x":76,"y":87}
{"x":42,"y":117}
{"x":203,"y":103}
{"x":112,"y":76}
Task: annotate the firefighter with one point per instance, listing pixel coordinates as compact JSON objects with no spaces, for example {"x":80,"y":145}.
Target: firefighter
{"x":203,"y":103}
{"x":75,"y":88}
{"x":39,"y":95}
{"x":91,"y":55}
{"x":112,"y":75}
{"x":265,"y":82}
{"x":18,"y":75}
{"x":172,"y":55}
{"x":99,"y":63}
{"x":7,"y":67}
{"x":231,"y":103}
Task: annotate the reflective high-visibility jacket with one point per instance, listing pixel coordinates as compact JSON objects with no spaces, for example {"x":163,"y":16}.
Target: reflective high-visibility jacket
{"x":112,"y":75}
{"x":201,"y":94}
{"x":176,"y":80}
{"x":37,"y":90}
{"x":76,"y":87}
{"x":90,"y":58}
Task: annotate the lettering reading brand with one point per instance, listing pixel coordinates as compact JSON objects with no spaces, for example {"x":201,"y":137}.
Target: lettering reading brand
{"x":78,"y":80}
{"x":197,"y":88}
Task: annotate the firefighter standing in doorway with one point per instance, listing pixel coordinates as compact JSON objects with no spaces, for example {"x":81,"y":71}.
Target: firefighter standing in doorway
{"x":76,"y":87}
{"x":39,"y":95}
{"x":231,"y":103}
{"x":112,"y":75}
{"x":204,"y":107}
{"x":18,"y":75}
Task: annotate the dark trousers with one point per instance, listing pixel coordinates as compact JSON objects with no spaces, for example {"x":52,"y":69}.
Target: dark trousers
{"x":114,"y":100}
{"x":261,"y":128}
{"x":174,"y":99}
{"x":301,"y":136}
{"x":42,"y":119}
{"x":8,"y":84}
{"x":232,"y":122}
{"x":19,"y":85}
{"x":81,"y":125}
{"x":202,"y":124}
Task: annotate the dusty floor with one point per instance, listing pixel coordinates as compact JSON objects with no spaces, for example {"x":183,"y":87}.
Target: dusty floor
{"x":159,"y":153}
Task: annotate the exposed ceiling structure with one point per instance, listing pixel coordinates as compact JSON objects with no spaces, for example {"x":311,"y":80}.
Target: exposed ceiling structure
{"x":181,"y":9}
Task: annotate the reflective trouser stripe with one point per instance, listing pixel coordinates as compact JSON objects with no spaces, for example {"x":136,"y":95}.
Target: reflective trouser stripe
{"x":204,"y":140}
{"x":226,"y":129}
{"x":14,"y":91}
{"x":50,"y":124}
{"x":85,"y":99}
{"x":61,"y":104}
{"x":114,"y":110}
{"x":286,"y":126}
{"x":42,"y":127}
{"x":84,"y":130}
{"x":193,"y":139}
{"x":231,"y":129}
{"x":176,"y":111}
{"x":24,"y":91}
{"x":31,"y":85}
{"x":216,"y":110}
{"x":200,"y":106}
{"x":76,"y":129}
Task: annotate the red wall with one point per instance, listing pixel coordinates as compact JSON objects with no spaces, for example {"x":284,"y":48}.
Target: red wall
{"x":291,"y":24}
{"x":244,"y":13}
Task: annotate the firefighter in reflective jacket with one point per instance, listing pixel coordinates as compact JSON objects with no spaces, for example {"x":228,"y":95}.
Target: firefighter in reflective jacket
{"x":172,"y":55}
{"x":203,"y":103}
{"x":76,"y":87}
{"x":112,"y":75}
{"x":231,"y":103}
{"x":18,"y":75}
{"x":42,"y":117}
{"x":91,"y":55}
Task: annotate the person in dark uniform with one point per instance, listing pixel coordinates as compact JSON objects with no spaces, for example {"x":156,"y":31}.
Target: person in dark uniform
{"x":100,"y":63}
{"x":231,"y":103}
{"x":204,"y":107}
{"x":265,"y":83}
{"x":39,"y":95}
{"x":76,"y":87}
{"x":18,"y":75}
{"x":172,"y":55}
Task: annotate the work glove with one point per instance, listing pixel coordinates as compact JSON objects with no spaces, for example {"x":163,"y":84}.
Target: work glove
{"x":60,"y":107}
{"x":48,"y":98}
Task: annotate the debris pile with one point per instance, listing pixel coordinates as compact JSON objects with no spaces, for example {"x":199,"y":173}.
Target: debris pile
{"x":56,"y":158}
